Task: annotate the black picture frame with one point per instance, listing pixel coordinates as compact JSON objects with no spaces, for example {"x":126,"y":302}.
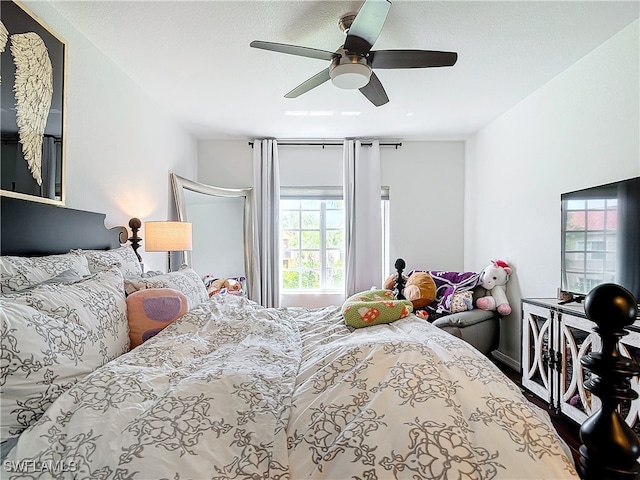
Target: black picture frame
{"x":18,"y":179}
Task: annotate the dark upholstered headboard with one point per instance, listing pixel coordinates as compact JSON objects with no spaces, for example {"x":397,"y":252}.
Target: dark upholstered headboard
{"x":32,"y":228}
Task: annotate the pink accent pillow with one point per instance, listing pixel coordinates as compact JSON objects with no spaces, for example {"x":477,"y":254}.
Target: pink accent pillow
{"x":150,"y":310}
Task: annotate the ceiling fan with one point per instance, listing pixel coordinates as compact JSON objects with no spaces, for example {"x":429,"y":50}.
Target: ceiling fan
{"x":353,"y":63}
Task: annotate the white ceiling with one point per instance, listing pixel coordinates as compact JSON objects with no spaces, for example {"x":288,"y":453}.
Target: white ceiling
{"x":194,"y":58}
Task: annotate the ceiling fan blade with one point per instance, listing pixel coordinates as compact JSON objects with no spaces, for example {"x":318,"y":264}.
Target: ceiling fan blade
{"x":313,"y":82}
{"x":294,"y":50}
{"x":411,"y":59}
{"x":366,"y":27}
{"x":374,"y":91}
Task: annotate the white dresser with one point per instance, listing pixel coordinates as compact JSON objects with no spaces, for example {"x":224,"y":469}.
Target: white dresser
{"x":554,"y":339}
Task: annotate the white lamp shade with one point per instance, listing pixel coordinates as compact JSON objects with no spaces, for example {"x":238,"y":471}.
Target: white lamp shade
{"x":167,"y":236}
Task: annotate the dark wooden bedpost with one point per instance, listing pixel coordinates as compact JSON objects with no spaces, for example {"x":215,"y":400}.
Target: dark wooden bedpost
{"x":400,"y":281}
{"x":610,"y":448}
{"x":135,"y":225}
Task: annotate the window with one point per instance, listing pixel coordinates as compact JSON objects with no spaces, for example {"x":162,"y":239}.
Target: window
{"x":312,"y":244}
{"x":312,"y":226}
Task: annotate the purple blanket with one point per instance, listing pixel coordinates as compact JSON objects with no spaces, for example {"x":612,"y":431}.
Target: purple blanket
{"x":446,"y":284}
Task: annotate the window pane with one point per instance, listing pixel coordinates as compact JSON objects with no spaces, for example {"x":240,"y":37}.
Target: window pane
{"x":576,"y":220}
{"x":334,"y":259}
{"x":311,"y":219}
{"x":611,"y":223}
{"x":335,"y":238}
{"x":310,"y":279}
{"x":310,"y":259}
{"x":291,"y":279}
{"x":574,"y":241}
{"x":311,"y":239}
{"x":335,"y":218}
{"x":291,"y":260}
{"x":291,"y":239}
{"x":595,"y":204}
{"x":335,"y":278}
{"x":595,"y":220}
{"x":610,"y":267}
{"x":595,"y":243}
{"x":335,"y":204}
{"x":290,"y":220}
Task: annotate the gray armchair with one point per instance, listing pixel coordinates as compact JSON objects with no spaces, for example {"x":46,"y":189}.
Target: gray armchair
{"x":480,"y":328}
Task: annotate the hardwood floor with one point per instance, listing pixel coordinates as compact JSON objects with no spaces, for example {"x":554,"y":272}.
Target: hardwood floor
{"x":567,"y":428}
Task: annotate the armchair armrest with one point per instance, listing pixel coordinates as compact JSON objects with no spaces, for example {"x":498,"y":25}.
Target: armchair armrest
{"x":465,"y":319}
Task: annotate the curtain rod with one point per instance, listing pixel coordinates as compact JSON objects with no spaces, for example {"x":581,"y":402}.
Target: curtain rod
{"x":331,"y":144}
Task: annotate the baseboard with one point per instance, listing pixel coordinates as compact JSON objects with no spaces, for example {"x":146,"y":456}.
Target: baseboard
{"x":507,"y":360}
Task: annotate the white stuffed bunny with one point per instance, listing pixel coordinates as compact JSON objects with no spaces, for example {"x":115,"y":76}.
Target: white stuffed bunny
{"x":494,"y":279}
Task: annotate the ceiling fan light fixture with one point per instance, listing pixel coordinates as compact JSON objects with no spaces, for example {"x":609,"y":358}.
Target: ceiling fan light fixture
{"x":352,"y":64}
{"x":350,"y":75}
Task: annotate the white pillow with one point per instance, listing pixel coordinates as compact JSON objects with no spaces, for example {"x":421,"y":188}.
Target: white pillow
{"x":124,"y":257}
{"x":186,"y":281}
{"x":54,"y":335}
{"x":19,"y":273}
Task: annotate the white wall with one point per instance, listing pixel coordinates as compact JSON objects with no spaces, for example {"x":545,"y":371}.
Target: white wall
{"x":120,"y":144}
{"x":426,"y":185}
{"x":227,"y":163}
{"x":580,"y":129}
{"x":425,"y":180}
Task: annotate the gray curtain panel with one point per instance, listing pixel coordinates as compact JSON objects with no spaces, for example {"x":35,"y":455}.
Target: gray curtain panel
{"x":266,"y":181}
{"x":363,"y":226}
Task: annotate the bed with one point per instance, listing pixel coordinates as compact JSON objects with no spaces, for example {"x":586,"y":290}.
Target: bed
{"x":234,"y":390}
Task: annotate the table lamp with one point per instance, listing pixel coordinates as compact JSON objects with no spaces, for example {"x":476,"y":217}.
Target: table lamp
{"x":167,"y":237}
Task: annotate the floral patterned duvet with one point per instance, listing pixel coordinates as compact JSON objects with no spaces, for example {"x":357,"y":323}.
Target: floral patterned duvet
{"x":235,"y":390}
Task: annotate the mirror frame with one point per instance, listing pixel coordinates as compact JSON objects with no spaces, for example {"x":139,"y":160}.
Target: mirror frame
{"x":179,"y":184}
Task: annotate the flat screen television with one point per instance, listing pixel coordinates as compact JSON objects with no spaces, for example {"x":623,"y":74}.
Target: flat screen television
{"x":601,"y":237}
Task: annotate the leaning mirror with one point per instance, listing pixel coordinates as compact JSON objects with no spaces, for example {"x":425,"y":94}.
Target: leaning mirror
{"x":222,"y":228}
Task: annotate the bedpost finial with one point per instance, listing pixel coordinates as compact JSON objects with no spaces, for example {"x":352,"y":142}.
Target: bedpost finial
{"x":611,"y":307}
{"x":135,"y":225}
{"x":610,"y":447}
{"x":400,"y":279}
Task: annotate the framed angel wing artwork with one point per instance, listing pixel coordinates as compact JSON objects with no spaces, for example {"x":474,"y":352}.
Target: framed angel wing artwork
{"x":32,"y":82}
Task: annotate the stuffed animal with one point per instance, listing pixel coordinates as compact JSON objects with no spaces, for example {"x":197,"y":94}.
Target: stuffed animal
{"x":494,"y":279}
{"x":419,"y":288}
{"x":233,"y":285}
{"x":224,"y":285}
